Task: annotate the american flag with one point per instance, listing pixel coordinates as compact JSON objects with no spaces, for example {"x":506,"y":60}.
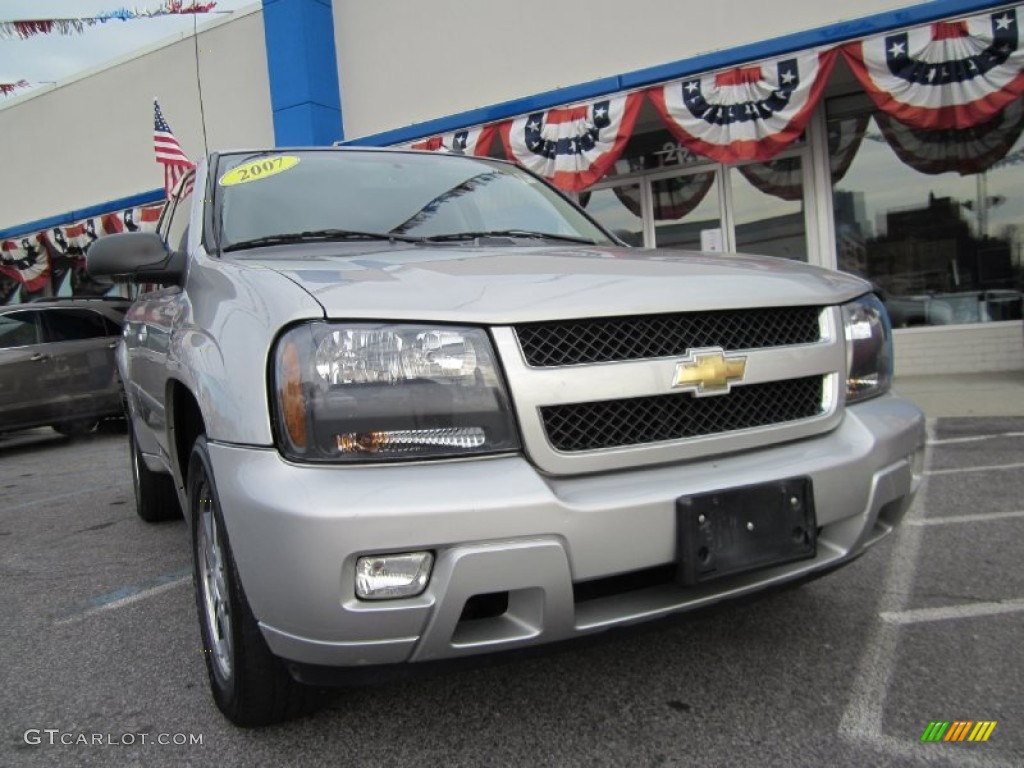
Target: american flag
{"x":168,"y":151}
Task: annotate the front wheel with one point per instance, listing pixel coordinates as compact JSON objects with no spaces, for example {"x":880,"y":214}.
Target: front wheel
{"x":250,"y":685}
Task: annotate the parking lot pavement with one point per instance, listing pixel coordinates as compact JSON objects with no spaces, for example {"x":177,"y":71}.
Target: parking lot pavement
{"x":100,"y":661}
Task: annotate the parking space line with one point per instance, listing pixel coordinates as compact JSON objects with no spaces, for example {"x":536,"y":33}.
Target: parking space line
{"x":965,"y":611}
{"x":955,"y":519}
{"x":126,"y":596}
{"x":974,"y":438}
{"x":987,"y":468}
{"x":862,"y":721}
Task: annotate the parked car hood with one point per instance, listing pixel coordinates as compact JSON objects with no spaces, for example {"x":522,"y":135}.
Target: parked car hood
{"x":508,"y":284}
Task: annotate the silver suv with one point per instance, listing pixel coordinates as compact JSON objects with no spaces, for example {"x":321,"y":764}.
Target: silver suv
{"x":57,"y":365}
{"x":419,"y":406}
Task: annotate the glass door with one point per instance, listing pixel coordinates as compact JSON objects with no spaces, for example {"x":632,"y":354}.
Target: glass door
{"x":687,"y":211}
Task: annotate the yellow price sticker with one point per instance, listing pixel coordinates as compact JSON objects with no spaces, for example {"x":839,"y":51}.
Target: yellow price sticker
{"x":258,"y":169}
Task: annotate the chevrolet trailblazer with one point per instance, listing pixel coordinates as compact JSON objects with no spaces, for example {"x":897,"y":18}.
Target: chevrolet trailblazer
{"x":416,"y":406}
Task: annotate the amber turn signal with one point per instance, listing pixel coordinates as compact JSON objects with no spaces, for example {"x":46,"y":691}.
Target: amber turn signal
{"x":293,"y":401}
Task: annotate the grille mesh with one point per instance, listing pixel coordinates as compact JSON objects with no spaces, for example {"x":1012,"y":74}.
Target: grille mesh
{"x":611,"y":339}
{"x":635,"y":421}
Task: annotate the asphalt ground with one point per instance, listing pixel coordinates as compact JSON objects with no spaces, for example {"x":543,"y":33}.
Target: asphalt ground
{"x":101,"y":662}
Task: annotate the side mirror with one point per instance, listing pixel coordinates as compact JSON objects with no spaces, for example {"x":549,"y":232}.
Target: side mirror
{"x":139,"y":257}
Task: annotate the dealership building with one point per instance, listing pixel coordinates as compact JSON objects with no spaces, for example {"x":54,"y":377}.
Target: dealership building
{"x":881,"y":138}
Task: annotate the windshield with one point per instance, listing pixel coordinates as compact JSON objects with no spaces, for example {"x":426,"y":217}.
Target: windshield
{"x":289,"y":196}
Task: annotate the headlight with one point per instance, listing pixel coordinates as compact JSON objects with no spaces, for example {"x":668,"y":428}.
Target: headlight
{"x":359,"y":392}
{"x":868,"y":349}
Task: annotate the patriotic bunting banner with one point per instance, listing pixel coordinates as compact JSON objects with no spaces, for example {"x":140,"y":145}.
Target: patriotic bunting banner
{"x":24,"y":259}
{"x":951,"y":74}
{"x":783,"y":178}
{"x":748,"y":113}
{"x":471,"y":141}
{"x":27,"y":28}
{"x":574,"y":146}
{"x":968,"y":151}
{"x":41,"y":258}
{"x":674,"y":198}
{"x":143,"y":219}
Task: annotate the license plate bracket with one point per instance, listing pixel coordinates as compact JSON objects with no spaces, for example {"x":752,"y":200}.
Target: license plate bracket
{"x":731,"y":531}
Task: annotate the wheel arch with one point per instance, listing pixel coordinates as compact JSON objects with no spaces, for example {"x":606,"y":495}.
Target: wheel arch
{"x":185,"y":422}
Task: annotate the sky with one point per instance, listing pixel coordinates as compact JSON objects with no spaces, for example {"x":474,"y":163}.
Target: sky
{"x":45,"y":59}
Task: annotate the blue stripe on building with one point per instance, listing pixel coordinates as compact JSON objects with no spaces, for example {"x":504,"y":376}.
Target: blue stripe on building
{"x":303,"y":69}
{"x":132,"y":201}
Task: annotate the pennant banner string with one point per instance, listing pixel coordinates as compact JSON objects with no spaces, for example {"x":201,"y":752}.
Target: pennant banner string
{"x":27,"y":28}
{"x":7,"y":89}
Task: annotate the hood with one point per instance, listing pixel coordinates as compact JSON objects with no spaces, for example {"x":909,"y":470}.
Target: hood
{"x":500,"y":285}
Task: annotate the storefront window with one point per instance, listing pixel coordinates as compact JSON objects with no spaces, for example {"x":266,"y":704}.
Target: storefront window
{"x":618,"y":209}
{"x":686,"y":212}
{"x":768,"y":209}
{"x":934,"y":219}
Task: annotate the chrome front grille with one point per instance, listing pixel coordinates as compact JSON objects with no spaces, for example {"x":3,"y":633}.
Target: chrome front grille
{"x":599,"y":394}
{"x":616,"y":339}
{"x":632,"y":421}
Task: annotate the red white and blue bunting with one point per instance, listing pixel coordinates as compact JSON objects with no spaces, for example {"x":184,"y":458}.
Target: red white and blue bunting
{"x":43,"y":258}
{"x":470,"y":141}
{"x":783,"y":177}
{"x":26,"y":28}
{"x":574,"y":146}
{"x":748,"y":113}
{"x":25,"y":260}
{"x":951,"y":74}
{"x":674,"y":197}
{"x":967,"y":151}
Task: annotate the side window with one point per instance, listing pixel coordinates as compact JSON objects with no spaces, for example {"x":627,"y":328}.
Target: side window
{"x":112,"y":328}
{"x":19,"y":329}
{"x":74,"y":325}
{"x":174,"y":227}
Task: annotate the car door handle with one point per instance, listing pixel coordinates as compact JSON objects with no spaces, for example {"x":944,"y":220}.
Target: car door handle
{"x":38,"y":357}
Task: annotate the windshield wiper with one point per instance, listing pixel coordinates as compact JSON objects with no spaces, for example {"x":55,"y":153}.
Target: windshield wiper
{"x":319,"y":235}
{"x":454,"y":236}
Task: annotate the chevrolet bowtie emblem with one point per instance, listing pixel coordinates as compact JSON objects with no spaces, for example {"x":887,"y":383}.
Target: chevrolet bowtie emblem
{"x":708,"y":371}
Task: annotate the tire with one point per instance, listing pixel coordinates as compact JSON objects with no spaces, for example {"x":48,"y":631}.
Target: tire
{"x":76,"y":428}
{"x":156,"y":499}
{"x":250,"y":685}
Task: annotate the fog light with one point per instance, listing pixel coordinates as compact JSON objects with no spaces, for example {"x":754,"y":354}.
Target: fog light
{"x":383,"y":577}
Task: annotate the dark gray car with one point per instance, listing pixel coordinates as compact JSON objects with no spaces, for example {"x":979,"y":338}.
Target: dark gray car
{"x":57,"y":364}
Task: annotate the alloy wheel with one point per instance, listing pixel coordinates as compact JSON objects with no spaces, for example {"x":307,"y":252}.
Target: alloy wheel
{"x":214,"y":585}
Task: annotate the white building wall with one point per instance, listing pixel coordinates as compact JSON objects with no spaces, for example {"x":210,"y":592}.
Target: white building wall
{"x":401,"y":62}
{"x":90,"y":139}
{"x":960,"y":349}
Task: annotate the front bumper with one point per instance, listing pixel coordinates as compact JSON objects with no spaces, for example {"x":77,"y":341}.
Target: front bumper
{"x":498,"y":526}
